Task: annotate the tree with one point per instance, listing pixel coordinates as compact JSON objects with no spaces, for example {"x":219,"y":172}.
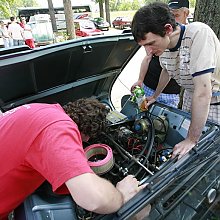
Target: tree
{"x":8,"y":8}
{"x":69,"y":19}
{"x":107,"y":11}
{"x":52,"y":15}
{"x":208,"y":11}
{"x":101,"y":8}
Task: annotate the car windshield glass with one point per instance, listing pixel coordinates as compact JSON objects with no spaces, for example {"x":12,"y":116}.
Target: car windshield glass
{"x":87,"y":24}
{"x":99,"y":20}
{"x":125,"y":19}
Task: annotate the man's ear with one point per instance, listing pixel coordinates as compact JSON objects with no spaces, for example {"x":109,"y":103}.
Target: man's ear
{"x":168,"y":28}
{"x":186,"y":11}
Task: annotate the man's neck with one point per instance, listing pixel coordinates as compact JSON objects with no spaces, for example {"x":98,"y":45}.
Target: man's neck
{"x":174,"y":37}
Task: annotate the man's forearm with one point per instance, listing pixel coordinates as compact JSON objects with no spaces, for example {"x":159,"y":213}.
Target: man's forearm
{"x":200,"y":109}
{"x":163,"y":81}
{"x":111,"y":199}
{"x":95,"y":194}
{"x":144,"y":67}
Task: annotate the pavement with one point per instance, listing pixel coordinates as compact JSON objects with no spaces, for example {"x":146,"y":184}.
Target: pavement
{"x":127,"y":78}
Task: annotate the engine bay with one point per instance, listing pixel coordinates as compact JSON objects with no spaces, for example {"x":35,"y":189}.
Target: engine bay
{"x":141,"y":146}
{"x":135,"y":143}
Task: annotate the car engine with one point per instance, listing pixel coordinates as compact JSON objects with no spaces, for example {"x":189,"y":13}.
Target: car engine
{"x":140,"y":146}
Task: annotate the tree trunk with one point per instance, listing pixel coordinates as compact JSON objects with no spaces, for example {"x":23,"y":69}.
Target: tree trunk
{"x":52,"y":15}
{"x":69,"y":19}
{"x":101,"y":9}
{"x":208,"y":11}
{"x":107,"y":12}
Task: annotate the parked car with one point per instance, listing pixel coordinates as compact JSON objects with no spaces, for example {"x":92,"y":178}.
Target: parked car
{"x":100,"y":23}
{"x":121,"y":22}
{"x":41,"y":29}
{"x":85,"y":28}
{"x":141,"y":142}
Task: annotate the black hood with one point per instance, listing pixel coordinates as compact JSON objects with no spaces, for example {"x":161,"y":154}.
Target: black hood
{"x":62,"y":72}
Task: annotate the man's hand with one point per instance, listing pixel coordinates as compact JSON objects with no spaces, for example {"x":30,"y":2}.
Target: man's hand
{"x":150,"y":100}
{"x":129,"y":187}
{"x":138,"y":83}
{"x":182,"y":148}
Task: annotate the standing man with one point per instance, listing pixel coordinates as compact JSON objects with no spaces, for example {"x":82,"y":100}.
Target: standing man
{"x":4,"y":34}
{"x":16,"y":32}
{"x":27,"y":33}
{"x":150,"y":67}
{"x":191,"y":55}
{"x":48,"y":146}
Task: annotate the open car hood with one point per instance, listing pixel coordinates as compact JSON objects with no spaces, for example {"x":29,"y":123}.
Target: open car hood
{"x":65,"y":71}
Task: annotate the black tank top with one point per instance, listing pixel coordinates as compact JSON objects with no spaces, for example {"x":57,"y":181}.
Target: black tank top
{"x":153,"y":74}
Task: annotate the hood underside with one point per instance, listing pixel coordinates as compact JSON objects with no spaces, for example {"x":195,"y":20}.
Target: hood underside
{"x":62,"y":72}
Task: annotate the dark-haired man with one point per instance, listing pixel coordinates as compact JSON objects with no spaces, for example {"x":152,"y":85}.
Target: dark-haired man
{"x":191,"y":55}
{"x":16,"y":32}
{"x":44,"y":142}
{"x":150,"y":67}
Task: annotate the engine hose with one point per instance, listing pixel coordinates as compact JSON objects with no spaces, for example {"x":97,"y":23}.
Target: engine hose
{"x":126,"y":155}
{"x":117,"y":146}
{"x":147,"y":147}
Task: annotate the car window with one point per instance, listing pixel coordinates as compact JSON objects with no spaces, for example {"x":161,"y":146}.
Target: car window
{"x":87,"y":24}
{"x":99,"y":19}
{"x":125,"y":19}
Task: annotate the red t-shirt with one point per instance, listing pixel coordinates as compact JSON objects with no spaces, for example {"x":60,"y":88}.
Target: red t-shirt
{"x":38,"y":142}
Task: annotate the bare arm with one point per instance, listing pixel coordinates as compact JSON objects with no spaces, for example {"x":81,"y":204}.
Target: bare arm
{"x":163,"y":81}
{"x":200,"y":107}
{"x":98,"y":195}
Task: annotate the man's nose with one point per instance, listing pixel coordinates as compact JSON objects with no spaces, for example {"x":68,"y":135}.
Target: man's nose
{"x":148,"y":50}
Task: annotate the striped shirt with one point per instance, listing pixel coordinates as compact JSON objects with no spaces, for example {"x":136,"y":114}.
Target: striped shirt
{"x":197,"y":52}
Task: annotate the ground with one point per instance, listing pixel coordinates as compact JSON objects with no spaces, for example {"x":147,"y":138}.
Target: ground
{"x":126,"y":79}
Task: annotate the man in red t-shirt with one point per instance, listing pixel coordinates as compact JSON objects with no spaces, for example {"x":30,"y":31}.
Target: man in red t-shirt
{"x":44,"y":142}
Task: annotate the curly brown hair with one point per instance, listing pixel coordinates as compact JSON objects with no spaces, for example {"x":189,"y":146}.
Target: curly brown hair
{"x":89,"y":114}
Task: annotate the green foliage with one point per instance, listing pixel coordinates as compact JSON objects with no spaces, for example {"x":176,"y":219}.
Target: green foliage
{"x":150,"y":1}
{"x":192,"y":3}
{"x":8,"y":8}
{"x":125,"y":5}
{"x":5,"y":8}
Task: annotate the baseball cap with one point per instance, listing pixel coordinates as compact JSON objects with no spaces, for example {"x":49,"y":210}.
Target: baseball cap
{"x":176,"y":4}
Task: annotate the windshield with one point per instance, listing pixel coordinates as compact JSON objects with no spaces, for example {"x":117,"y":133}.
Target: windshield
{"x":99,"y":20}
{"x":87,"y":24}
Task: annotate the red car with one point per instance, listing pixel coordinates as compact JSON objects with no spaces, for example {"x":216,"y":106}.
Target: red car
{"x":121,"y":22}
{"x":85,"y":28}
